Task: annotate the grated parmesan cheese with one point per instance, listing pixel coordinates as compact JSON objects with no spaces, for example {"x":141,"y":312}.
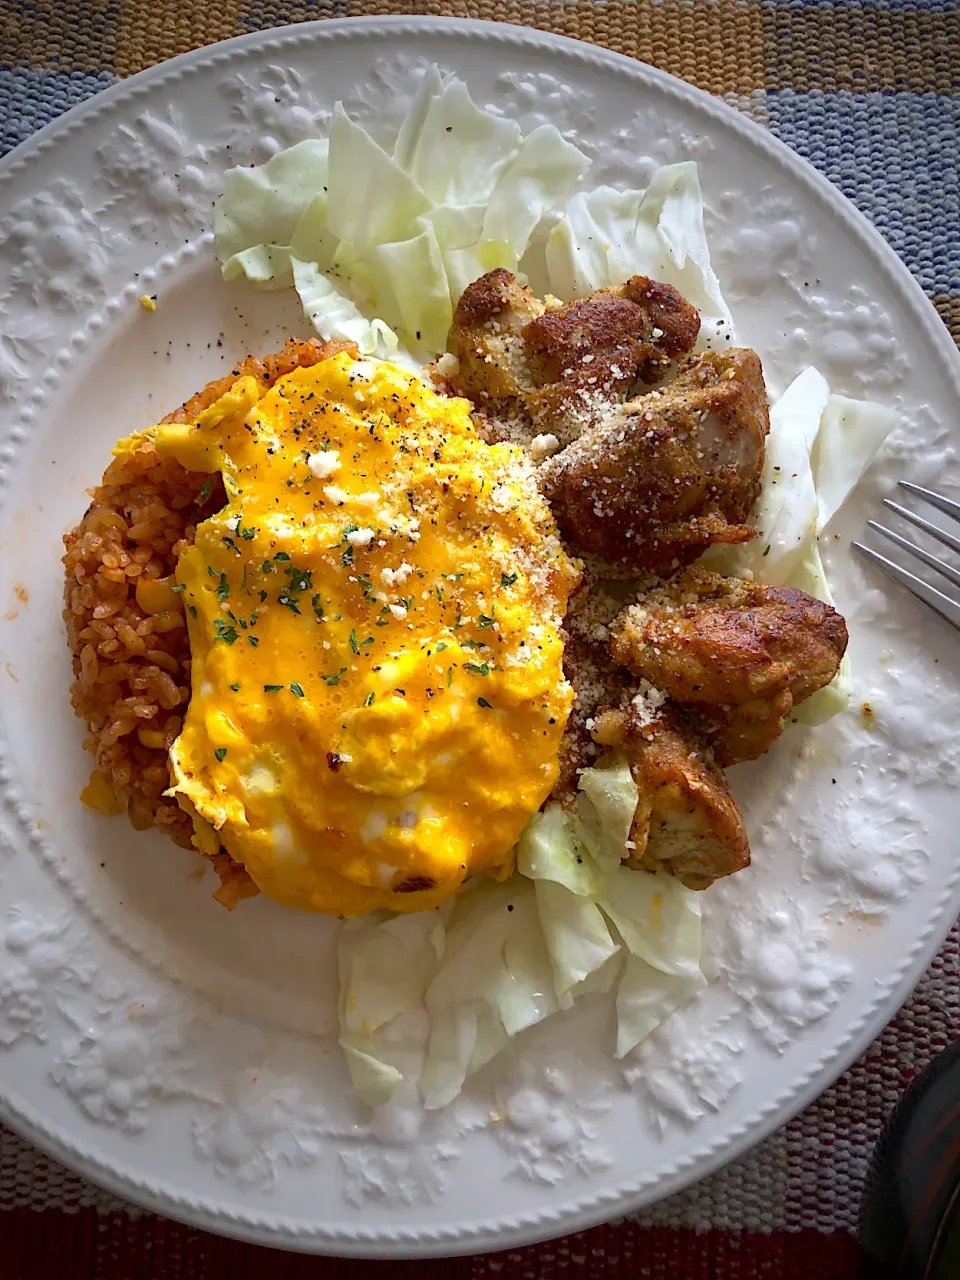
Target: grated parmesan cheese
{"x":324,"y":465}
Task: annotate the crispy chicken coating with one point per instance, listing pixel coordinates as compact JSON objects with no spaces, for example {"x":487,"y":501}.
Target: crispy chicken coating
{"x":669,"y":474}
{"x":588,"y":354}
{"x":687,"y":823}
{"x":551,"y":372}
{"x":597,"y":682}
{"x":741,"y":653}
{"x":487,"y":338}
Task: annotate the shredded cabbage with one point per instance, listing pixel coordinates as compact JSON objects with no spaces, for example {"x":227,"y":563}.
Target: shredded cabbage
{"x":572,"y":923}
{"x":385,"y":964}
{"x":605,"y":236}
{"x":332,"y":312}
{"x":263,"y":206}
{"x":397,"y":234}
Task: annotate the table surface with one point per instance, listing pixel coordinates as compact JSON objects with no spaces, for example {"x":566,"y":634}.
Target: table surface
{"x":869,"y":91}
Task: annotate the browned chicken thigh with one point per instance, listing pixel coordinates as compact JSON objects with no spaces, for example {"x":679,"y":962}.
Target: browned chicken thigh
{"x":487,"y":339}
{"x":668,"y":474}
{"x":549,"y":372}
{"x":687,"y":823}
{"x":588,"y":354}
{"x":742,"y":654}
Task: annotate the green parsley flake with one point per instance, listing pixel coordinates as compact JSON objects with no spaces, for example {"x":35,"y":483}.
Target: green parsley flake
{"x":224,"y":631}
{"x":223,"y":588}
{"x":235,"y":687}
{"x":272,"y":688}
{"x":192,"y":609}
{"x":482,"y":702}
{"x":354,"y":642}
{"x":483,"y":622}
{"x":334,"y":679}
{"x":253,"y":640}
{"x":205,"y":492}
{"x":508,"y":579}
{"x":296,"y":690}
{"x":220,"y":753}
{"x":280,"y":555}
{"x":368,"y":700}
{"x":477,"y":669}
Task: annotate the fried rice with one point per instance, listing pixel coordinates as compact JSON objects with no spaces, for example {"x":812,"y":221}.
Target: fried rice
{"x":126,"y":625}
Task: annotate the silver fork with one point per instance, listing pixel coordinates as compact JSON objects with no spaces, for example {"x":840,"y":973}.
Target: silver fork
{"x":940,"y":603}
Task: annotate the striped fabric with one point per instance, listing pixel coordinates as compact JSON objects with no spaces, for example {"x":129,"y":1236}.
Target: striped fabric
{"x":869,"y":91}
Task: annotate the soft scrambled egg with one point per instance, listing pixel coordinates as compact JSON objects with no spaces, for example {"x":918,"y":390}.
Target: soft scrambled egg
{"x":377,"y":686}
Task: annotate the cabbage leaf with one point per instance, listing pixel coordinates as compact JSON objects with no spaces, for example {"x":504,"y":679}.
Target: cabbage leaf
{"x":334,"y":315}
{"x":263,"y":205}
{"x":385,"y":965}
{"x":399,"y":232}
{"x":503,"y":957}
{"x":605,"y":236}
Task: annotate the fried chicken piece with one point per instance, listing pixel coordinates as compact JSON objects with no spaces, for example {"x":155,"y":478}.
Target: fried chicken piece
{"x":742,"y":654}
{"x":665,"y":476}
{"x":597,"y":683}
{"x":687,"y":823}
{"x":741,"y":731}
{"x":550,"y":372}
{"x":588,"y":354}
{"x":487,"y":338}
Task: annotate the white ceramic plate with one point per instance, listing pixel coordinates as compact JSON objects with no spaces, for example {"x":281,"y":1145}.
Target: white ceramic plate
{"x":186,"y":1057}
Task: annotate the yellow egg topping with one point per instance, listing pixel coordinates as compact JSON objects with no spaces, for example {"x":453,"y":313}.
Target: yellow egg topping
{"x":377,"y":686}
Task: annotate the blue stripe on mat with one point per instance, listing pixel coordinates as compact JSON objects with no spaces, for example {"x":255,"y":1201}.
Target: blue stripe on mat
{"x":29,"y":99}
{"x":896,"y":156}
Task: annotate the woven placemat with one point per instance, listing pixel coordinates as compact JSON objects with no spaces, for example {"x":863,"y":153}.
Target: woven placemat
{"x":870,"y":93}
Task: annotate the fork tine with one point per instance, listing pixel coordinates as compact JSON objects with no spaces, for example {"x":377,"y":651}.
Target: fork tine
{"x":948,"y":539}
{"x":948,"y":609}
{"x":948,"y":571}
{"x":946,"y":505}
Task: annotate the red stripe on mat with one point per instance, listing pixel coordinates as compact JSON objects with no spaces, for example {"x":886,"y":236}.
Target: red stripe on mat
{"x":86,"y":1245}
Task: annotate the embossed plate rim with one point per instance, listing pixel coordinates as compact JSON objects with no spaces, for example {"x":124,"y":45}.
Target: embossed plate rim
{"x":573,"y":1212}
